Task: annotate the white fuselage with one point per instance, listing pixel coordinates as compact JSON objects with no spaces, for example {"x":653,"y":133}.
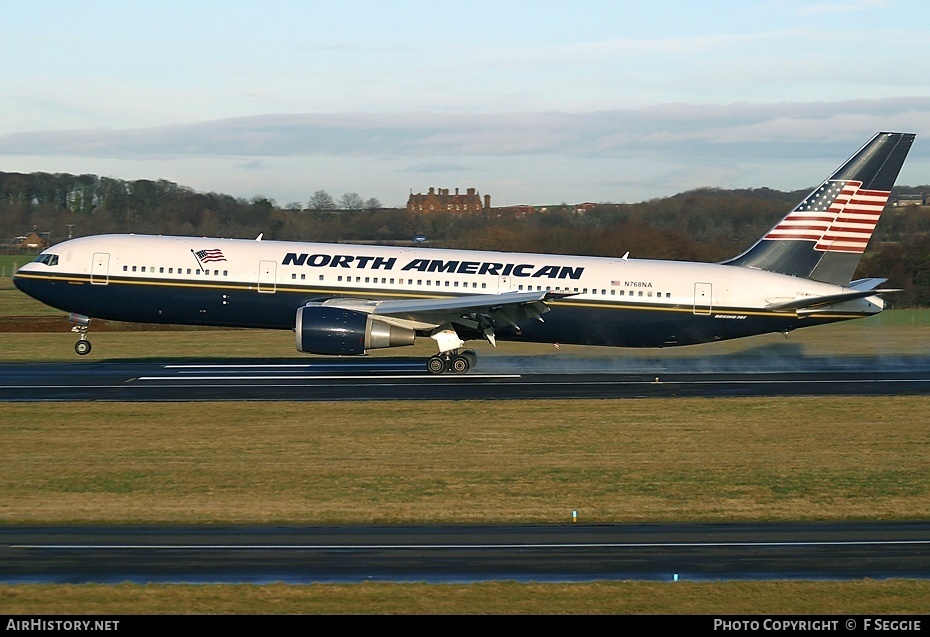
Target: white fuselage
{"x":137,"y":277}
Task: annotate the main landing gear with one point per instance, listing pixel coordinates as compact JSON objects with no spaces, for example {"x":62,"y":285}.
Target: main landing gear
{"x":80,"y":325}
{"x":455,"y":362}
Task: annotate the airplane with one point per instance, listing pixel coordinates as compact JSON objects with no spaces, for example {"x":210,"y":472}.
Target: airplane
{"x":349,"y":299}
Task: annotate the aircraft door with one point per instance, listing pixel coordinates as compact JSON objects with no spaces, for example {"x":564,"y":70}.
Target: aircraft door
{"x":267,"y":273}
{"x":503,"y":284}
{"x":702,"y":298}
{"x":100,"y":268}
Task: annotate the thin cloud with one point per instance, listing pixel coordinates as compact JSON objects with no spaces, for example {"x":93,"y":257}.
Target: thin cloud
{"x":599,"y":133}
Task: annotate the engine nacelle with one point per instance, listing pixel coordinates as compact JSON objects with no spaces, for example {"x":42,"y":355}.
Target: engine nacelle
{"x":321,"y":329}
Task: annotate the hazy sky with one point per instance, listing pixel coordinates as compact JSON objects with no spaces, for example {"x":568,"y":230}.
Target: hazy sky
{"x":530,"y":102}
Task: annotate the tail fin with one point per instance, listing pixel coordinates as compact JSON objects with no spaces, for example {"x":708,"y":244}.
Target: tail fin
{"x":825,"y":235}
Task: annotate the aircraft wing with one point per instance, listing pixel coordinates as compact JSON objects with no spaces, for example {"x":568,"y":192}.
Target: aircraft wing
{"x":483,"y":303}
{"x":482,"y":312}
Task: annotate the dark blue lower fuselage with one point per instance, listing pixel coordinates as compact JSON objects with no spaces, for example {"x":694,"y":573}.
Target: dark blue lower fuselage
{"x":242,"y":305}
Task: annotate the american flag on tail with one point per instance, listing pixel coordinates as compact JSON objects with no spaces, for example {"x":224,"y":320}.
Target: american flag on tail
{"x":840,"y":216}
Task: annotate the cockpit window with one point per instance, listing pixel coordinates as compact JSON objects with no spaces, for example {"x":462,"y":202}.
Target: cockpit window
{"x":47,"y":259}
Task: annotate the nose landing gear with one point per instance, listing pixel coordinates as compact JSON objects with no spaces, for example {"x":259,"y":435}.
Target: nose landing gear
{"x":80,"y":325}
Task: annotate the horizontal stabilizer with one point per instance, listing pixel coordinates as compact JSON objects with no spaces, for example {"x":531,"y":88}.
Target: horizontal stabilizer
{"x":866,"y":284}
{"x":820,"y":301}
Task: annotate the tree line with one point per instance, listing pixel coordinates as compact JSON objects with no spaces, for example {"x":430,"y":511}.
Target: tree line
{"x":698,"y":225}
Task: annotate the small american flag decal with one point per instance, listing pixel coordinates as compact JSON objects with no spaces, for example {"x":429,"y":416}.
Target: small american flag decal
{"x":208,"y":256}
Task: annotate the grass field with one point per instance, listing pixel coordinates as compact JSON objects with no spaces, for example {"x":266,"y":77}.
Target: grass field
{"x":9,"y":262}
{"x":470,"y":461}
{"x":467,"y":462}
{"x":868,"y":597}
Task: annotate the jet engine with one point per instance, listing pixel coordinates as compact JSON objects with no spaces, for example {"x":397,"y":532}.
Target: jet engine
{"x":322,"y":329}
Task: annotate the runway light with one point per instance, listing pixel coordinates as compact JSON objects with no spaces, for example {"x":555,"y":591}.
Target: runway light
{"x":675,"y":578}
{"x":574,"y":516}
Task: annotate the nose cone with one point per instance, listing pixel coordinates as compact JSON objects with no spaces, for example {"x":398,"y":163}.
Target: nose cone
{"x":20,"y":283}
{"x":25,"y":284}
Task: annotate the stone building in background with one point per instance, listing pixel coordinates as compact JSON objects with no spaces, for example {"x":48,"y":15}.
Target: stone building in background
{"x":439,"y":199}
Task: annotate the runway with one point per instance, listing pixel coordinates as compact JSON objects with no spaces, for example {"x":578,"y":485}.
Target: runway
{"x":493,"y":378}
{"x":556,"y":553}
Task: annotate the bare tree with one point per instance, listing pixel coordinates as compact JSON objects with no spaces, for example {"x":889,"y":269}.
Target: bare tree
{"x":321,"y":200}
{"x":351,"y":201}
